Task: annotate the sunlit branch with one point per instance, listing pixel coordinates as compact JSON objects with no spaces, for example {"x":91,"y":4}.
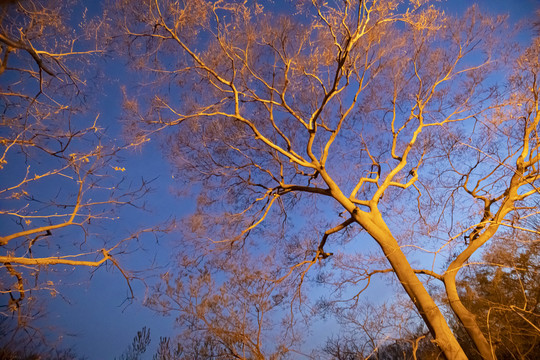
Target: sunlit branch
{"x":42,"y":229}
{"x":430,"y":273}
{"x":62,"y":260}
{"x":267,"y":207}
{"x":519,"y":312}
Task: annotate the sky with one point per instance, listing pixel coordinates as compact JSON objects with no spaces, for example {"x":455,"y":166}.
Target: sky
{"x":92,"y":315}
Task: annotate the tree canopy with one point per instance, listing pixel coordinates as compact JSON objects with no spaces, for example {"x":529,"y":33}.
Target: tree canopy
{"x":328,"y":143}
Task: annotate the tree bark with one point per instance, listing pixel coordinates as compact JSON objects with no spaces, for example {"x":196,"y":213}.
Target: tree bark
{"x":428,"y":309}
{"x":467,"y":318}
{"x":374,"y":224}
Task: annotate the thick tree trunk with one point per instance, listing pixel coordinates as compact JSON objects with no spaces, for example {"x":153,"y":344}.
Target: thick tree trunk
{"x":428,"y":309}
{"x":467,"y":318}
{"x":374,"y":224}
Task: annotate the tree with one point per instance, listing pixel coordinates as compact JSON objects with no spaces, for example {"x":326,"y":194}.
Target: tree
{"x":138,"y":346}
{"x":61,"y":173}
{"x":169,"y":350}
{"x":225,"y":319}
{"x":500,"y":290}
{"x":383,"y":332}
{"x":383,"y":116}
{"x":25,"y":350}
{"x":8,"y":354}
{"x":166,"y":350}
{"x":503,"y":293}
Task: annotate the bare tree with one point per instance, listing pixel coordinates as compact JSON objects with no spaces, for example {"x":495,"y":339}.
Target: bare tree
{"x":383,"y":116}
{"x":138,"y":346}
{"x":503,"y":293}
{"x":500,"y":290}
{"x":60,"y":171}
{"x":377,"y":332}
{"x":226,"y":316}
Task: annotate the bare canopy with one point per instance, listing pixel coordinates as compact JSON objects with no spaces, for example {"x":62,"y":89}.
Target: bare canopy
{"x":379,"y":115}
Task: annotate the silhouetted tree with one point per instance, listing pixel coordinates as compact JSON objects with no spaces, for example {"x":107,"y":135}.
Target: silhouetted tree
{"x":138,"y":346}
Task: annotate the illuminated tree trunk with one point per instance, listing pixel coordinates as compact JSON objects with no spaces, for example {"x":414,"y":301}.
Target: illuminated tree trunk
{"x":467,"y":319}
{"x":428,"y":309}
{"x":507,"y":205}
{"x":374,"y":224}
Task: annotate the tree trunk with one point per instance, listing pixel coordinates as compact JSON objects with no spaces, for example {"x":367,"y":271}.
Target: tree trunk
{"x":374,"y":224}
{"x":428,"y":309}
{"x":466,"y":317}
